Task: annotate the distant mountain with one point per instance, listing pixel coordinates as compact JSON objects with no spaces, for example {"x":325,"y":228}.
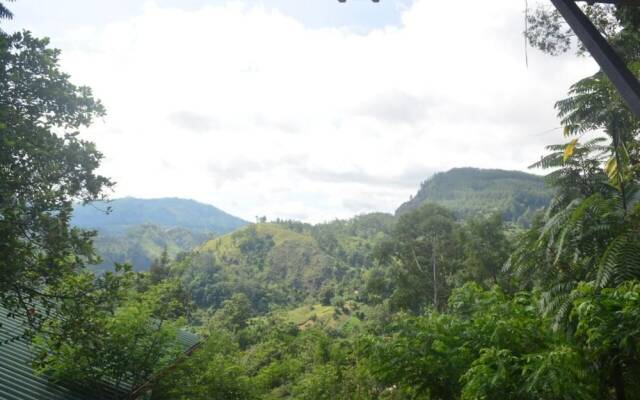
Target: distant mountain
{"x":472,"y":192}
{"x":141,"y":244}
{"x":136,"y":231}
{"x":167,"y":212}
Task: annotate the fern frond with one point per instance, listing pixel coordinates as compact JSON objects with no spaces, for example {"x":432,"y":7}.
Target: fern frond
{"x":620,"y":261}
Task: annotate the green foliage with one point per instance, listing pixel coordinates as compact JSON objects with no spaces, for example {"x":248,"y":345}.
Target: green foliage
{"x":141,"y":245}
{"x":487,"y":346}
{"x":44,"y":169}
{"x":284,"y":263}
{"x":584,"y":241}
{"x":159,"y":269}
{"x":424,"y":254}
{"x":214,"y":372}
{"x":114,"y":334}
{"x":279,"y":361}
{"x":608,"y":327}
{"x":417,"y":306}
{"x":589,"y":231}
{"x":620,"y":24}
{"x":486,"y":249}
{"x":311,"y":315}
{"x":136,"y":231}
{"x":471,"y":192}
{"x":234,"y":313}
{"x":583,"y":252}
{"x":578,"y":176}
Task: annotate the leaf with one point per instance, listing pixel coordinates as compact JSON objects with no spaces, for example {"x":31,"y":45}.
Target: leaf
{"x":611,"y":168}
{"x":569,"y":149}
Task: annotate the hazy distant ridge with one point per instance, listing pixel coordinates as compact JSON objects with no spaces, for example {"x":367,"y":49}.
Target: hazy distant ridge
{"x":166,"y":212}
{"x":138,"y":230}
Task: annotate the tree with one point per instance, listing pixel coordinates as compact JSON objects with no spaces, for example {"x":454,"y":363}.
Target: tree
{"x":486,"y":249}
{"x":590,"y":230}
{"x":608,"y":328}
{"x":44,"y":169}
{"x":488,"y":345}
{"x":425,"y":254}
{"x":4,"y":12}
{"x":114,"y":335}
{"x":214,"y":372}
{"x":234,"y":313}
{"x":159,"y":269}
{"x":620,"y":24}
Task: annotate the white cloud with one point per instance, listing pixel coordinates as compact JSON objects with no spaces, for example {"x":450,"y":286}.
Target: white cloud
{"x":250,"y":110}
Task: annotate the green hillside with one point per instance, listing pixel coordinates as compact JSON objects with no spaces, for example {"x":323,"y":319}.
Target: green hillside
{"x":166,"y":212}
{"x":283,"y":262}
{"x":141,"y":244}
{"x":136,"y":231}
{"x":473,"y":192}
{"x":267,"y":262}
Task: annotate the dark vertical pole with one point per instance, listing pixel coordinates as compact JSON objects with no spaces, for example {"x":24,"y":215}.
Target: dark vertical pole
{"x":610,"y":62}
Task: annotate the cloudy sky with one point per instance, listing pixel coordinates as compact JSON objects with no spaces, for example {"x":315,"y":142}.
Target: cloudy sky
{"x":305,"y":109}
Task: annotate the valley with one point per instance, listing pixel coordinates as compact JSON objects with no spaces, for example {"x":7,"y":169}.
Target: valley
{"x":483,"y":284}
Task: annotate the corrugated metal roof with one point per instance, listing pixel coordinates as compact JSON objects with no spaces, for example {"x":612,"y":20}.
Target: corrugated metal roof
{"x":18,"y":380}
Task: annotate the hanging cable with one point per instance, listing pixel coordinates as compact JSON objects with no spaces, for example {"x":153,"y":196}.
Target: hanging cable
{"x":526,"y":31}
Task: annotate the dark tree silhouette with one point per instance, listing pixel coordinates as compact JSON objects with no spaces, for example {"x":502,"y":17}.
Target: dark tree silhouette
{"x":4,"y":11}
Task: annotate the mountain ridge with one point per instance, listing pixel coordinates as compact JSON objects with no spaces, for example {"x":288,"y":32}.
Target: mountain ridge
{"x":471,"y":192}
{"x":137,"y":231}
{"x":170,"y":212}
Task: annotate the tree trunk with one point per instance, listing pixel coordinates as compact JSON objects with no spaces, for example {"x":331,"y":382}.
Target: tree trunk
{"x":616,"y":148}
{"x":435,"y":275}
{"x":618,"y":381}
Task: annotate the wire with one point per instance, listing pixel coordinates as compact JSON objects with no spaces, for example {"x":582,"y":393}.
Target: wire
{"x":526,"y":30}
{"x":546,"y":132}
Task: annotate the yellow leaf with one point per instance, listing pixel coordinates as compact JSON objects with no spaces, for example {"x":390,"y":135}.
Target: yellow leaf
{"x":611,"y":168}
{"x":569,"y":149}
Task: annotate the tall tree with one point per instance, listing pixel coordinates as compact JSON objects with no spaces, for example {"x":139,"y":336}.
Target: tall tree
{"x":424,"y":254}
{"x":486,"y":249}
{"x":44,"y":168}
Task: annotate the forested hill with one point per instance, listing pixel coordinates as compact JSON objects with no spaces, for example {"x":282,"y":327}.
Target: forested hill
{"x":283,"y":262}
{"x":137,"y":231}
{"x":166,"y":212}
{"x":473,"y":192}
{"x":140,"y":245}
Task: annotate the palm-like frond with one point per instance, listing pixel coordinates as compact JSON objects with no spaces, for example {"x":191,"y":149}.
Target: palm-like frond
{"x":558,"y":301}
{"x":594,"y":104}
{"x":4,"y":11}
{"x":621,"y":260}
{"x":588,"y":239}
{"x":587,"y":232}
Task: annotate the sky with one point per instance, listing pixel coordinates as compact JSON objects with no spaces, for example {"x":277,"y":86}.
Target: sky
{"x":304,"y":109}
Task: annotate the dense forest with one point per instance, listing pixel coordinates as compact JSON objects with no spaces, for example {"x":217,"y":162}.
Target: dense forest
{"x":485,"y":289}
{"x":470,"y":192}
{"x":140,"y":245}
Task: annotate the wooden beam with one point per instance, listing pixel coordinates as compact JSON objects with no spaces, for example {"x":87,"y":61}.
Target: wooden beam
{"x":610,"y":62}
{"x":615,"y":2}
